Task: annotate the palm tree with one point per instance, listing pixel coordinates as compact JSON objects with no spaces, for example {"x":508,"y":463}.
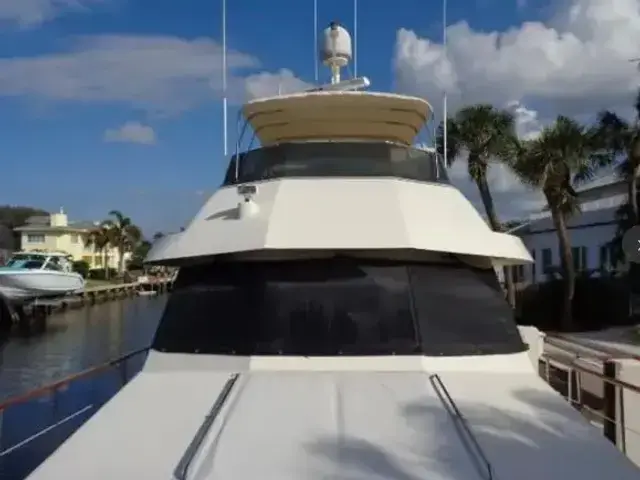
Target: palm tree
{"x":623,"y":138}
{"x":100,"y":239}
{"x":564,"y":154}
{"x":485,"y":134}
{"x":124,"y":235}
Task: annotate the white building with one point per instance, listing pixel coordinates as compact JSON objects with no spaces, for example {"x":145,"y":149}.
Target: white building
{"x":589,"y":232}
{"x":56,"y":233}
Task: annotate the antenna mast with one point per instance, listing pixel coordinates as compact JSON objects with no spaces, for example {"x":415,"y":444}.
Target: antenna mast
{"x":355,"y":38}
{"x":315,"y":40}
{"x":224,"y":76}
{"x":444,"y":107}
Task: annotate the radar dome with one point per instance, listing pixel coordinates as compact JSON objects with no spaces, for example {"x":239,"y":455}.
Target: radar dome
{"x":336,"y":47}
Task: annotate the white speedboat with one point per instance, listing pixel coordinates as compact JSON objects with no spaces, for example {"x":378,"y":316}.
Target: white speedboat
{"x":337,"y":316}
{"x":31,"y":275}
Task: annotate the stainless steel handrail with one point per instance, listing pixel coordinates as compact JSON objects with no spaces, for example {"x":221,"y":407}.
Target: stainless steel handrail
{"x":181,"y":471}
{"x":438,"y":386}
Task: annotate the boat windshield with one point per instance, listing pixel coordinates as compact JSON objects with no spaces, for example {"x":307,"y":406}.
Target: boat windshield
{"x":30,"y":264}
{"x":337,"y":307}
{"x":336,"y":159}
{"x":26,"y":261}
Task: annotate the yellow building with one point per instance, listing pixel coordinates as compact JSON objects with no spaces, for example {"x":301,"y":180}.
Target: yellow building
{"x":55,"y":232}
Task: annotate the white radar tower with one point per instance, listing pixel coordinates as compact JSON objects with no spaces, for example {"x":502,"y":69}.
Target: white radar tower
{"x":336,"y":53}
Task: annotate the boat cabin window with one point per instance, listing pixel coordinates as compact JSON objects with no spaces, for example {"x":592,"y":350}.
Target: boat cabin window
{"x":337,"y":307}
{"x":336,"y":159}
{"x":32,"y":264}
{"x":53,"y":266}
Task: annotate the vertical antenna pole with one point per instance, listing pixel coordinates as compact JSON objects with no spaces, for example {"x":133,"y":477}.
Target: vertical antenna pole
{"x":355,"y":38}
{"x":315,"y":40}
{"x":444,"y":109}
{"x":224,"y":76}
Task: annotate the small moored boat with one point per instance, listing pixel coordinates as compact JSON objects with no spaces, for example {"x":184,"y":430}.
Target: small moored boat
{"x":31,"y":275}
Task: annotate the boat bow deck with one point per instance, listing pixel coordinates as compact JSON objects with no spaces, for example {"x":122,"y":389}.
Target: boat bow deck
{"x":307,"y":425}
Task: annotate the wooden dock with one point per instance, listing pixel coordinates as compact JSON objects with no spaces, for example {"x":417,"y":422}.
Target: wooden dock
{"x":32,"y":317}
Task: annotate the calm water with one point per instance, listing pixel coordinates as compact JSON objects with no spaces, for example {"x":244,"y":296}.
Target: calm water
{"x":74,"y":341}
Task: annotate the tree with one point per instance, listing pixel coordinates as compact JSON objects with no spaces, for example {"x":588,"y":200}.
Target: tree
{"x":124,"y":235}
{"x":157,"y":236}
{"x":139,"y":253}
{"x":100,"y":239}
{"x":16,"y":216}
{"x":620,"y":137}
{"x":565,"y":153}
{"x":485,"y":134}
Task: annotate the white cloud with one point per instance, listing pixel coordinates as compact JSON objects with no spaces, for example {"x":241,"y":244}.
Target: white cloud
{"x":576,"y":63}
{"x":29,"y":13}
{"x":579,"y":60}
{"x":131,"y":132}
{"x":528,"y":125}
{"x":160,"y":74}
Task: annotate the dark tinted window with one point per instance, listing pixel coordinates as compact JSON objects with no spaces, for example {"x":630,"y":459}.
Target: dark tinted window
{"x":342,"y":159}
{"x":462,"y":311}
{"x":33,"y":264}
{"x":337,"y":307}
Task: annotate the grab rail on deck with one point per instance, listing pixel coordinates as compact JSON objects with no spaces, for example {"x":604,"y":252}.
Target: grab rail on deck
{"x":89,"y":372}
{"x":612,"y":415}
{"x":606,"y":378}
{"x":600,"y":351}
{"x":454,"y":411}
{"x":181,"y":471}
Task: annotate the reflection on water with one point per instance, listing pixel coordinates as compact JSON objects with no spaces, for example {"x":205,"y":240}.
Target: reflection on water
{"x":73,"y":342}
{"x":77,"y":340}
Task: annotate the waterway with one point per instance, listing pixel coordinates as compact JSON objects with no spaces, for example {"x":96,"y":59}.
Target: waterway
{"x":74,"y":341}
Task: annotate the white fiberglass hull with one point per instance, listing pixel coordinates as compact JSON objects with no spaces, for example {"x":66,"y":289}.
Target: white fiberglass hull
{"x":22,"y":285}
{"x":306,"y":419}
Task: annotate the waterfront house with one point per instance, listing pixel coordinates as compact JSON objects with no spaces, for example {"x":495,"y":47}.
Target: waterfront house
{"x":56,"y":232}
{"x":590,"y":232}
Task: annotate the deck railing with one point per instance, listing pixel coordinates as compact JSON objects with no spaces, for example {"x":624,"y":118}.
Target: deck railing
{"x":34,"y":424}
{"x":592,"y":386}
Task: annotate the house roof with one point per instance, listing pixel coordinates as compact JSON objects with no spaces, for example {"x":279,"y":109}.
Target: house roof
{"x":38,"y":220}
{"x":47,"y":228}
{"x":603,"y":181}
{"x":39,"y":226}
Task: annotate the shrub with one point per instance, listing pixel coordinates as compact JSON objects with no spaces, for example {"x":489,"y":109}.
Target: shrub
{"x":100,"y":274}
{"x":81,"y":267}
{"x":598,"y":303}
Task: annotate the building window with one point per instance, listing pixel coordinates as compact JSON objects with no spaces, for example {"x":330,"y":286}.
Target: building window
{"x":98,"y":261}
{"x":35,"y":238}
{"x":518,"y":273}
{"x":547,"y":260}
{"x":605,"y":257}
{"x":579,"y":258}
{"x":533,"y":266}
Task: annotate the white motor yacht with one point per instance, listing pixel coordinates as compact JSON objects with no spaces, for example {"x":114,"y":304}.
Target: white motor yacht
{"x":31,"y":275}
{"x":337,"y":315}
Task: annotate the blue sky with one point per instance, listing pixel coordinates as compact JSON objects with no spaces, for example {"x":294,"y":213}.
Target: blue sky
{"x":71,"y":75}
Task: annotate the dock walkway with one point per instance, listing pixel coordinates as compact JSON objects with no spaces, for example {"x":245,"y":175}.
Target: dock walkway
{"x":33,"y":315}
